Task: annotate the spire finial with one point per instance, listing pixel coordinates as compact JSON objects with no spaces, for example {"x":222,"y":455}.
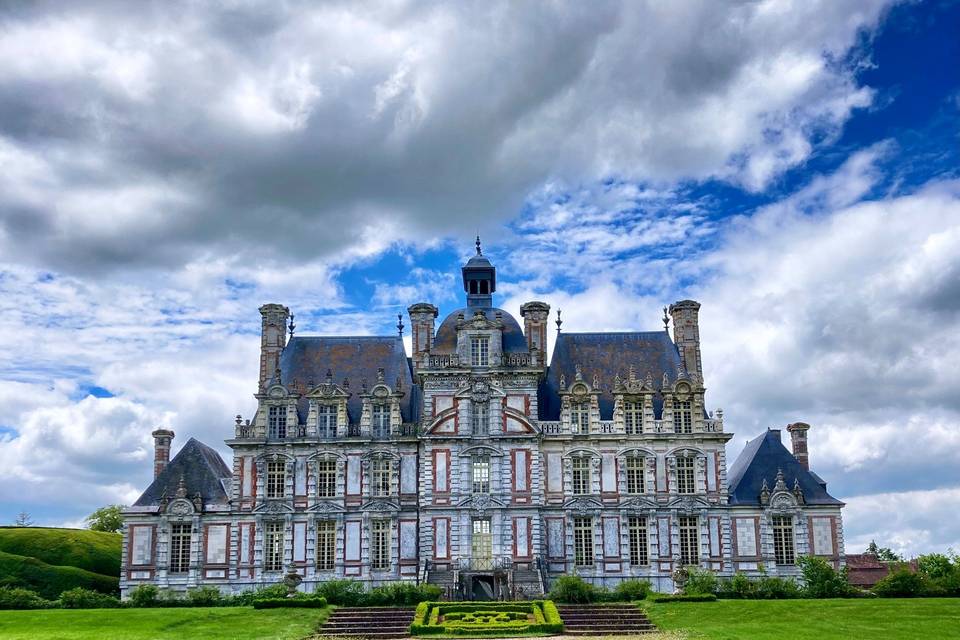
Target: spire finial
{"x":479,"y":253}
{"x":666,"y":320}
{"x":400,"y":324}
{"x":292,"y":326}
{"x":559,"y":321}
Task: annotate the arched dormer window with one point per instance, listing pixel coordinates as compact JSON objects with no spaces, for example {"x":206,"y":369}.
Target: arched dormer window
{"x":277,"y":422}
{"x":683,"y":416}
{"x":326,"y":420}
{"x":580,"y":417}
{"x":633,"y":416}
{"x":380,"y":420}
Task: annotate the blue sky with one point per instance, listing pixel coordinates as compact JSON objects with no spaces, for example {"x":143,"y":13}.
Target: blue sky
{"x":793,"y":166}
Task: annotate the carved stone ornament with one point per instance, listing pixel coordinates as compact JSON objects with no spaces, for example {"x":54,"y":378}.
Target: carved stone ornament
{"x":180,"y":507}
{"x":481,"y":503}
{"x":480,"y":392}
{"x":274,"y":506}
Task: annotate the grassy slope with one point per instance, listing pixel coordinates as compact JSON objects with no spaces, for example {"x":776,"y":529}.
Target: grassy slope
{"x":94,"y":551}
{"x":48,"y":580}
{"x":227,"y":623}
{"x":890,"y":619}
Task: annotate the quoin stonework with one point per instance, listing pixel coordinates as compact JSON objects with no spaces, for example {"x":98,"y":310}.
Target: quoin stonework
{"x":476,"y":463}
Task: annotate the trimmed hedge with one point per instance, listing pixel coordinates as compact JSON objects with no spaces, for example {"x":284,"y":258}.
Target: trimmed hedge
{"x":50,"y":581}
{"x":93,"y":551}
{"x":297,"y":603}
{"x":15,"y":598}
{"x":576,"y":590}
{"x":80,"y":598}
{"x":694,"y":597}
{"x":486,"y":618}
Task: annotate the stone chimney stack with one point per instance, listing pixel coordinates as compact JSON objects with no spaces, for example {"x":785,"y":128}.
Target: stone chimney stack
{"x":273,"y":338}
{"x":535,"y":319}
{"x":422,"y":316}
{"x":798,"y":440}
{"x":686,"y":335}
{"x":161,"y":449}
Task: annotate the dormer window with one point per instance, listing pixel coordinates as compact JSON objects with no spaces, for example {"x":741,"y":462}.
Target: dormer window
{"x":683,"y":416}
{"x":580,"y":417}
{"x":326,"y":420}
{"x":480,"y":418}
{"x":633,"y":417}
{"x":381,"y":420}
{"x":480,"y":351}
{"x":277,"y":422}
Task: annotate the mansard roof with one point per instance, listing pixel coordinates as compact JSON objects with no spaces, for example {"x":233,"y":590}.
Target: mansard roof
{"x":306,"y":360}
{"x":446,"y":339}
{"x":203,"y":471}
{"x":605,"y":355}
{"x":760,"y":460}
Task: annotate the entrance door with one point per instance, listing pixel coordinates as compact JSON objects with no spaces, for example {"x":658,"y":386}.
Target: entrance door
{"x":482,"y":545}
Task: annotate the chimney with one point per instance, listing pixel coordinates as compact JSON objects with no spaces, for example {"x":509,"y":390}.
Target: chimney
{"x":273,"y":338}
{"x":161,"y":449}
{"x":535,"y":317}
{"x":798,"y":441}
{"x":422,"y":315}
{"x":686,"y":335}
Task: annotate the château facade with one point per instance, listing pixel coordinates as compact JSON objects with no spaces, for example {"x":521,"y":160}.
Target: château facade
{"x":476,"y":464}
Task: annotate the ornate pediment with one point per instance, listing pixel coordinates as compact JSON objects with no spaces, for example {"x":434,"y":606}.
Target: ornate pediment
{"x":583,"y":504}
{"x":638,"y":504}
{"x":481,"y":450}
{"x":481,"y":503}
{"x":380,"y":506}
{"x":274,"y":507}
{"x":689,"y":504}
{"x":181,"y":507}
{"x":326,"y":506}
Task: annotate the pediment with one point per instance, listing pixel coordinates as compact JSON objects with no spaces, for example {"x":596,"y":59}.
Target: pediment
{"x":274,"y":506}
{"x":328,"y":391}
{"x":481,"y":502}
{"x":689,"y":503}
{"x":638,"y":504}
{"x":583,"y":504}
{"x":480,"y":450}
{"x":380,"y":506}
{"x":326,"y":506}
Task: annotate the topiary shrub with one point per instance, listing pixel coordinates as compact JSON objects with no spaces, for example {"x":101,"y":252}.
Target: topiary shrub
{"x":902,"y":583}
{"x":17,"y":598}
{"x":700,"y":581}
{"x":630,"y":590}
{"x":80,"y":598}
{"x":343,"y":592}
{"x":821,"y":580}
{"x":573,"y":590}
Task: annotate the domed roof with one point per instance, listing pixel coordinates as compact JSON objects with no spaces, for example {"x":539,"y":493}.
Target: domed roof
{"x":479,"y":261}
{"x":446,"y":338}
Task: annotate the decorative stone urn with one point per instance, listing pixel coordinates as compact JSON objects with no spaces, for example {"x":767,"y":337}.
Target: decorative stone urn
{"x":680,"y":577}
{"x":291,"y":581}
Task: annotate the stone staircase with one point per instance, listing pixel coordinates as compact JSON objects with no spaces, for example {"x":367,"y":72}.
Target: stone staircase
{"x":604,"y":620}
{"x":369,"y":622}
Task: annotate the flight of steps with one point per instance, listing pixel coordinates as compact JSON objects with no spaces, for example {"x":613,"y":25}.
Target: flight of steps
{"x":526,"y":582}
{"x":369,"y":622}
{"x":604,"y":620}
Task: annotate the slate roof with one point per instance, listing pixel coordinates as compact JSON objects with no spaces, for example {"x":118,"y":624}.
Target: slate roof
{"x":203,"y":471}
{"x":306,"y":359}
{"x":760,"y":459}
{"x":606,"y":355}
{"x":446,"y":339}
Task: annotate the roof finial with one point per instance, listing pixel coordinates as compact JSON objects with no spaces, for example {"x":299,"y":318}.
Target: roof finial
{"x":292,"y":326}
{"x":666,"y":320}
{"x":559,"y":321}
{"x":400,"y":324}
{"x":479,"y":253}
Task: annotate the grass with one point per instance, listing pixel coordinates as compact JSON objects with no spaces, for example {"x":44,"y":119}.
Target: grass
{"x":48,"y":580}
{"x":215,"y":623}
{"x":891,"y":619}
{"x":93,"y":551}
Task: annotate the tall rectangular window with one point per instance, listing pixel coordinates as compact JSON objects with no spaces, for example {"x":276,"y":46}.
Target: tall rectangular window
{"x":583,"y":542}
{"x":482,"y":542}
{"x":277,"y":422}
{"x":783,"y":539}
{"x":634,"y":470}
{"x":633,"y":417}
{"x":273,"y":546}
{"x":480,"y":351}
{"x":327,"y":479}
{"x":580,"y":417}
{"x":326,"y":420}
{"x":380,"y":545}
{"x":180,"y":548}
{"x":637,"y":530}
{"x":683,"y":416}
{"x":326,"y":544}
{"x":580,"y":468}
{"x":686,"y":478}
{"x":480,"y":418}
{"x":481,"y":474}
{"x":381,"y":470}
{"x":689,"y":541}
{"x":276,"y":478}
{"x":381,"y":420}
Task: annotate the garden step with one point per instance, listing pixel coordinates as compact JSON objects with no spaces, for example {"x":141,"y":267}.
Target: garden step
{"x":381,"y":623}
{"x":601,"y":620}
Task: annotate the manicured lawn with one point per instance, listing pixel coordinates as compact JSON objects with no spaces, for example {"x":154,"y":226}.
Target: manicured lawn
{"x":214,"y":623}
{"x":890,"y":619}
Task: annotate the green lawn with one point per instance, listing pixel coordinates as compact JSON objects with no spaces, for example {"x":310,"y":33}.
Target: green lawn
{"x":890,"y":619}
{"x":224,"y":623}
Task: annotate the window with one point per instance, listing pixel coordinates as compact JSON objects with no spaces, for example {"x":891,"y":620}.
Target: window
{"x":637,"y":530}
{"x":580,"y":417}
{"x":480,"y":418}
{"x":689,"y":541}
{"x":180,"y":548}
{"x":581,"y":476}
{"x":634,"y":469}
{"x":783,"y":539}
{"x":482,"y":541}
{"x":480,"y":351}
{"x":381,"y":470}
{"x":481,"y":474}
{"x":583,"y":542}
{"x":273,"y":546}
{"x":327,"y":420}
{"x":633,"y":417}
{"x":326,"y":543}
{"x":276,"y":478}
{"x":381,"y":420}
{"x":326,"y":478}
{"x":380,"y":545}
{"x":686,"y":482}
{"x":683,"y":416}
{"x":277,"y":422}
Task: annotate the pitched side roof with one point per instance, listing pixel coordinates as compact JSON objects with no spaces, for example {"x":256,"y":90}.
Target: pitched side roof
{"x":306,"y":360}
{"x":203,"y":471}
{"x":760,"y":460}
{"x":606,"y":355}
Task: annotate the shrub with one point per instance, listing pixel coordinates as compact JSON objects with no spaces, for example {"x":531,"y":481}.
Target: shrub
{"x":630,"y":590}
{"x":776,"y":588}
{"x":901,"y":583}
{"x":205,"y":597}
{"x":700,"y":581}
{"x":821,"y":580}
{"x":80,"y":598}
{"x":738,"y":587}
{"x":343,"y":592}
{"x":573,"y":590}
{"x":301,"y":603}
{"x":247,"y":598}
{"x":693,"y":597}
{"x":145,"y":595}
{"x":401,"y":594}
{"x":16,"y":598}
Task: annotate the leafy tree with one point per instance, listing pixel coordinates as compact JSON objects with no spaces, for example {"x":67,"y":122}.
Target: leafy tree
{"x":23,"y":520}
{"x":884,"y":554}
{"x":106,"y":519}
{"x":821,"y":580}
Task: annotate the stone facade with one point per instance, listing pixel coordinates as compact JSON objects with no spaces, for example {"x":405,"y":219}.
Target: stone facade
{"x":477,"y":465}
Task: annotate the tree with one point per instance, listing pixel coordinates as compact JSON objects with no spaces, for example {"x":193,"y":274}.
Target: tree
{"x":884,"y":554}
{"x":23,"y":520}
{"x":106,"y":519}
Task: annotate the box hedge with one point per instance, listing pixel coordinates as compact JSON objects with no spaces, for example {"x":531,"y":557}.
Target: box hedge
{"x":486,"y":618}
{"x":295,"y":603}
